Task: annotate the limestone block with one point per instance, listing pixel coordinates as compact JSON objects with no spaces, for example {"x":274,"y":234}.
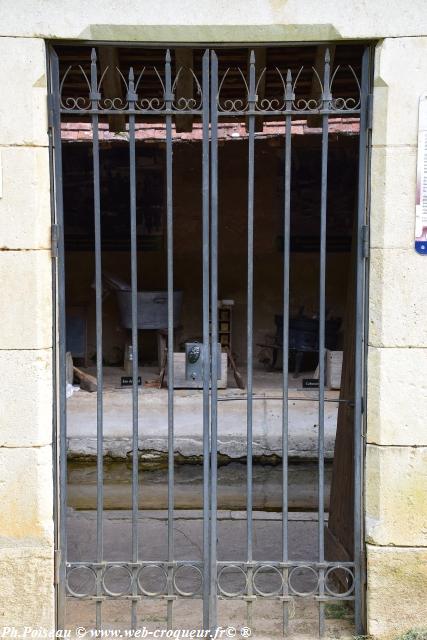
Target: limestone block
{"x":396,"y":590}
{"x":400,"y":78}
{"x":26,"y":398}
{"x":26,"y":300}
{"x":25,"y":214}
{"x":393,"y":179}
{"x":23,"y":82}
{"x":26,"y":495}
{"x":397,"y":397}
{"x":397,"y":304}
{"x":396,"y":495}
{"x":207,"y":21}
{"x":26,"y":587}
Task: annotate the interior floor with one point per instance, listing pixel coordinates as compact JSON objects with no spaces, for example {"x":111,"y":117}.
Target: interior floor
{"x":264,"y":382}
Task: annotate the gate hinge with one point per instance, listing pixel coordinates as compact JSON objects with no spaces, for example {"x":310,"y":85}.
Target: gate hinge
{"x":57,"y":564}
{"x":54,"y":240}
{"x":365,"y":241}
{"x":50,"y":111}
{"x":370,"y":110}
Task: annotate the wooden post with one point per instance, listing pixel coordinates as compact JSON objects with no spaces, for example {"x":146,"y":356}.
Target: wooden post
{"x":340,"y":530}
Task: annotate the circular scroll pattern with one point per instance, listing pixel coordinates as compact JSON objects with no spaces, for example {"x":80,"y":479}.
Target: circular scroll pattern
{"x":306,"y":573}
{"x":152,"y":580}
{"x":270,"y":574}
{"x":186,"y":575}
{"x":81,"y":581}
{"x":234,"y":574}
{"x":346,"y":575}
{"x":114,"y":576}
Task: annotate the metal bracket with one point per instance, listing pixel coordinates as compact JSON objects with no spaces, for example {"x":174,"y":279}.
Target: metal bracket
{"x":50,"y":111}
{"x":54,"y":240}
{"x":365,"y":241}
{"x":370,"y":110}
{"x":56,"y":564}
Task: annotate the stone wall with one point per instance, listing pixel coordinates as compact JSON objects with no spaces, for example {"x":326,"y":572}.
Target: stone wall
{"x":396,"y":455}
{"x":396,"y":501}
{"x":26,"y":495}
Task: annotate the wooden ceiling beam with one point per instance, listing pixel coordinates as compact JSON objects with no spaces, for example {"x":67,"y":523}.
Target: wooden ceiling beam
{"x":184,"y":87}
{"x":112,"y":86}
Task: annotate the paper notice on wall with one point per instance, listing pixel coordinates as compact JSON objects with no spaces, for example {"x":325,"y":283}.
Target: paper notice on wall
{"x":421,"y":195}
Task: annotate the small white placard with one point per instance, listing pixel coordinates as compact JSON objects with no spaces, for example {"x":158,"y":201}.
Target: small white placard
{"x":421,"y":193}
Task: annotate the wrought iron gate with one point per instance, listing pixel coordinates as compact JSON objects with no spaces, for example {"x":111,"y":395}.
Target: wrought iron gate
{"x":211,"y":108}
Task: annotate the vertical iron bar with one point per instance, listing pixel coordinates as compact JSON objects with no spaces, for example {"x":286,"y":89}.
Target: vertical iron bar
{"x":99,"y":372}
{"x":61,"y":363}
{"x":135,"y":368}
{"x":206,"y":359}
{"x":249,"y":304}
{"x":359,"y":346}
{"x":289,"y":97}
{"x":322,"y":317}
{"x":214,"y":337}
{"x":169,"y":217}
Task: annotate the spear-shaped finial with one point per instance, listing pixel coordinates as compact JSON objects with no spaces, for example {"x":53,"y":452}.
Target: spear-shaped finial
{"x":132,"y":97}
{"x":327,"y":97}
{"x":252,"y":98}
{"x":168,"y":80}
{"x":289,"y":92}
{"x":94,"y":93}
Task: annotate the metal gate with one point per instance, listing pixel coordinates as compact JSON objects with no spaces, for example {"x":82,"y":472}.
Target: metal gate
{"x":211,"y":108}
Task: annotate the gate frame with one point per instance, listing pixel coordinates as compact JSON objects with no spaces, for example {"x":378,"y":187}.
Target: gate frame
{"x":58,"y":282}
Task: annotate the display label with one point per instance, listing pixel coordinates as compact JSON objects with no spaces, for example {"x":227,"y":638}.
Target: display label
{"x":127,"y":381}
{"x":421,"y":194}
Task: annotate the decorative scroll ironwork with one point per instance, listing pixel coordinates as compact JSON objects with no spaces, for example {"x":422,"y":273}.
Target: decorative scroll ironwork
{"x":135,"y":99}
{"x":279,"y":575}
{"x":324,"y":103}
